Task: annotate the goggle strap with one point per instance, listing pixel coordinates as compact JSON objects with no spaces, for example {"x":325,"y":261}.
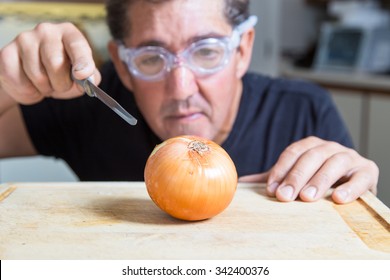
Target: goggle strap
{"x":242,"y":28}
{"x":246,"y":24}
{"x":122,"y":52}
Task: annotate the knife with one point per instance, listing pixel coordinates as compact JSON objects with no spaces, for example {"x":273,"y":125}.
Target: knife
{"x":94,"y":91}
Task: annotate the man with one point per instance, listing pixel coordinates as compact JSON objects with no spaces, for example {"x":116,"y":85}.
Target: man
{"x":179,"y":67}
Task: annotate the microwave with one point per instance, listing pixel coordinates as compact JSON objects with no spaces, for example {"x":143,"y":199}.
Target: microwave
{"x":353,"y":49}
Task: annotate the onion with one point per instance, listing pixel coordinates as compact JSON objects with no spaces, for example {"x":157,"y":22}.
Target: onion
{"x":190,"y":178}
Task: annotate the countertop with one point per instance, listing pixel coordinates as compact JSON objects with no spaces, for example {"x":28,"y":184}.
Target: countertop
{"x":119,"y":221}
{"x":361,"y":82}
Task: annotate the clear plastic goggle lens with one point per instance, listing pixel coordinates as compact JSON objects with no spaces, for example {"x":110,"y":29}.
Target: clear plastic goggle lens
{"x":208,"y":55}
{"x":149,"y":63}
{"x":203,"y":57}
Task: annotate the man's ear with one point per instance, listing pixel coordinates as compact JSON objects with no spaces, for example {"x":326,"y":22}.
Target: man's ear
{"x":245,"y":52}
{"x":120,"y":67}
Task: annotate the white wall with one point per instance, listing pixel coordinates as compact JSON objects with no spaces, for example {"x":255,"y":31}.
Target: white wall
{"x":299,"y":25}
{"x":265,"y":58}
{"x":284,"y":25}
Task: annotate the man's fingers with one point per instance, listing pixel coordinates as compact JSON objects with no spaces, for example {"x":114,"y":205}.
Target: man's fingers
{"x":38,"y":63}
{"x":13,"y":78}
{"x":303,"y":170}
{"x":297,"y":165}
{"x":288,"y":159}
{"x":337,"y":166}
{"x":309,"y":167}
{"x":362,"y":180}
{"x":31,"y":65}
{"x":56,"y":63}
{"x":79,"y":52}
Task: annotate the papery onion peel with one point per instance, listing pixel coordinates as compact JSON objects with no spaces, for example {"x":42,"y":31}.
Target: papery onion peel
{"x":190,"y":178}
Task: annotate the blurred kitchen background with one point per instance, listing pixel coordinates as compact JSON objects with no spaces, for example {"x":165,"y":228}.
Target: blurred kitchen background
{"x":343,"y":45}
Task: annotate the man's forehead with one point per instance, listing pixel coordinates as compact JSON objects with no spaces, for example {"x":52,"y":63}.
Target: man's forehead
{"x":172,"y":10}
{"x":176,"y":20}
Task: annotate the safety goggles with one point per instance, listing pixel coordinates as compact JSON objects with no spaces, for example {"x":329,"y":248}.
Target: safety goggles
{"x":203,"y":57}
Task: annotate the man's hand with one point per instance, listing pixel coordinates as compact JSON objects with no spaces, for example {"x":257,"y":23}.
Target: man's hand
{"x":38,"y":63}
{"x":309,"y":167}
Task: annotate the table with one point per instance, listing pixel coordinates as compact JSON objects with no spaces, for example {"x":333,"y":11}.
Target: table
{"x":342,"y":80}
{"x":96,"y":220}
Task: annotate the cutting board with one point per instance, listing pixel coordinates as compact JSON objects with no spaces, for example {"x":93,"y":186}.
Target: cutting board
{"x":119,"y":221}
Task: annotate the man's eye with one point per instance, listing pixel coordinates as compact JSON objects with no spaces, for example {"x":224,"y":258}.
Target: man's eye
{"x":151,"y":60}
{"x":207,"y":53}
{"x":208,"y":57}
{"x":150,"y":64}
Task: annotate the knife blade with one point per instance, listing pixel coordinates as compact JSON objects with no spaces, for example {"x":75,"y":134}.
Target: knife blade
{"x":94,"y":91}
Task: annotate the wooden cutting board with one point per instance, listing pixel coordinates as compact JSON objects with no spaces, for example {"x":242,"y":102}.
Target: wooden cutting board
{"x":119,"y":221}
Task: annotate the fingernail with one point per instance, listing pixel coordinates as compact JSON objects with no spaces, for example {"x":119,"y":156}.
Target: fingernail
{"x":342,"y":194}
{"x":272,"y":187}
{"x":79,"y":67}
{"x":310,"y":192}
{"x":287,"y":192}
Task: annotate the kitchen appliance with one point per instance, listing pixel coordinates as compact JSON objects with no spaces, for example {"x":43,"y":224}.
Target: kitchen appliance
{"x":353,"y":48}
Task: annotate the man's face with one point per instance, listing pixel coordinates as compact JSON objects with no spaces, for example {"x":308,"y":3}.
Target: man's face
{"x":182,"y":102}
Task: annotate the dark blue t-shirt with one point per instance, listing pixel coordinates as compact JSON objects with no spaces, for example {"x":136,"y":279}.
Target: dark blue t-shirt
{"x":275,"y":113}
{"x":99,"y":146}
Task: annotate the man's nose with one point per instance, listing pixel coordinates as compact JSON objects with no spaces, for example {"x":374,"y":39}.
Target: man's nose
{"x":181,"y":82}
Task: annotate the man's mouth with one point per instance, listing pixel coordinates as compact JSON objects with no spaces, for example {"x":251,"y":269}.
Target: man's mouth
{"x":186,"y":117}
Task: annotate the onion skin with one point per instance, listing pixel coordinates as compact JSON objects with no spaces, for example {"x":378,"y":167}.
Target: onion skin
{"x":190,"y":178}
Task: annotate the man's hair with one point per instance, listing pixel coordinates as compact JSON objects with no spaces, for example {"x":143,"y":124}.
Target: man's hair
{"x":235,"y":11}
